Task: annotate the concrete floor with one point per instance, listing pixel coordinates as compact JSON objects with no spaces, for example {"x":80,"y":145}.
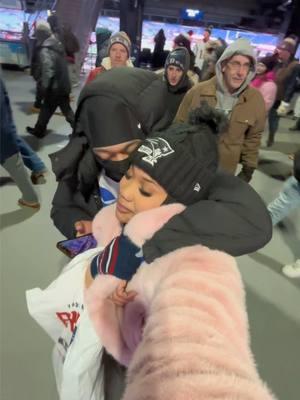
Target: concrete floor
{"x":30,"y":259}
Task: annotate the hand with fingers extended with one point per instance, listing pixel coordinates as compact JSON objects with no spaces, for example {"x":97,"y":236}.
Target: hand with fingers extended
{"x":120,"y":297}
{"x":83,"y":227}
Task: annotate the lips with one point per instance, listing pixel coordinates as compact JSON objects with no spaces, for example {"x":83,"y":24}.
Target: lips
{"x":122,"y":209}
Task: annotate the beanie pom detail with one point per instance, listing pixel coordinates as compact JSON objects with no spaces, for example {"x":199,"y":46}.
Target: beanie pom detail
{"x":216,"y":120}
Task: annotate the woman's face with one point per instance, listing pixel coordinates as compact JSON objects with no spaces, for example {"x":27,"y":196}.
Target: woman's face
{"x":260,"y":68}
{"x":117,"y":152}
{"x":138,"y":192}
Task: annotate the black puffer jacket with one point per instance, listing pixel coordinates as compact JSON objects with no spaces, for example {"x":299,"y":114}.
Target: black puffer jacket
{"x":51,"y":70}
{"x":233,"y":218}
{"x":133,"y":95}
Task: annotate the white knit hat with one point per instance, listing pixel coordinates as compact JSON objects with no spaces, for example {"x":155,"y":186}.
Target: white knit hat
{"x":122,"y":38}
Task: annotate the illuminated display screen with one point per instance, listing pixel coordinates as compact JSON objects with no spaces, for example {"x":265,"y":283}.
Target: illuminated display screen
{"x":264,"y":43}
{"x":11,"y":24}
{"x":192,"y":15}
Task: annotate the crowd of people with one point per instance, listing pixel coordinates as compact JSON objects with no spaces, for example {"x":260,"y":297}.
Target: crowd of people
{"x":151,"y":171}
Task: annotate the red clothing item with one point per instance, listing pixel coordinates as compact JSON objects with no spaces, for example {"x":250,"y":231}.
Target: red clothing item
{"x":93,"y":73}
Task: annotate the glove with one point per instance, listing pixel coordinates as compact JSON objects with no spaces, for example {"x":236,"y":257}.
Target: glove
{"x":283,"y":109}
{"x":246,"y":173}
{"x":120,"y":258}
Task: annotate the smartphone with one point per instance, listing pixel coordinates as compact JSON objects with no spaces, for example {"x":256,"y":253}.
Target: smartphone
{"x":73,"y":247}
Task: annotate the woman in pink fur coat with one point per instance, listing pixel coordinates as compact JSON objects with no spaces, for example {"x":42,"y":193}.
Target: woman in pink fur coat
{"x":265,"y":80}
{"x":183,"y":332}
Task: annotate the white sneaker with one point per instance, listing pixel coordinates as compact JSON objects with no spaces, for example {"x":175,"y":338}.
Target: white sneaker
{"x":292,"y":270}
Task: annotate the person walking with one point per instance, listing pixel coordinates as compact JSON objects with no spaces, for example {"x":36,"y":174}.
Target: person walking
{"x":244,"y":106}
{"x":10,"y":157}
{"x":53,"y":80}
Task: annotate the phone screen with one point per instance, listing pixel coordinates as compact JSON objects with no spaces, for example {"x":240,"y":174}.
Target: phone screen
{"x":72,"y":247}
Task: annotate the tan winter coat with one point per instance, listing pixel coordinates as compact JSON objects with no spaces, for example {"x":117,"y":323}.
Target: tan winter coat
{"x":241,"y":141}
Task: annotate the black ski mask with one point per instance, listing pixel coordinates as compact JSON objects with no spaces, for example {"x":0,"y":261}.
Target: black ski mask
{"x":114,"y":169}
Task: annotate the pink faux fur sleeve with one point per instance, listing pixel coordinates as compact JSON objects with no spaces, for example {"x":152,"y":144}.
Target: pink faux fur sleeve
{"x":105,"y":225}
{"x":185,"y":336}
{"x":141,"y":227}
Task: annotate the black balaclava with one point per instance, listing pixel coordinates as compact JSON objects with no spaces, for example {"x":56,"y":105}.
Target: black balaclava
{"x":107,"y":122}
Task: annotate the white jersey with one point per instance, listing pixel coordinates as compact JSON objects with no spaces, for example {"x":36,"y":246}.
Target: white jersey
{"x":199,"y":50}
{"x":108,"y":188}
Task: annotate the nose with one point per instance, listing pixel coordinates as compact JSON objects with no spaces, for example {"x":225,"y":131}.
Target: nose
{"x":126,"y":189}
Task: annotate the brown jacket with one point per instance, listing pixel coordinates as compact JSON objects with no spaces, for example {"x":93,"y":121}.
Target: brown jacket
{"x":282,"y":76}
{"x":241,"y":141}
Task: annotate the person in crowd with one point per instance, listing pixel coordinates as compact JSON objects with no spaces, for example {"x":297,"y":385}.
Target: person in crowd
{"x":264,"y":80}
{"x":158,"y":52}
{"x":175,"y":74}
{"x":43,"y":33}
{"x":292,"y":87}
{"x":165,"y":169}
{"x":283,"y":69}
{"x":230,"y":92}
{"x":64,"y":34}
{"x":199,"y":49}
{"x":114,"y":113}
{"x":119,"y":50}
{"x":182,"y":40}
{"x":72,"y":47}
{"x":102,"y":40}
{"x":213,"y":50}
{"x":10,"y":157}
{"x":53,"y":80}
{"x":287,"y":200}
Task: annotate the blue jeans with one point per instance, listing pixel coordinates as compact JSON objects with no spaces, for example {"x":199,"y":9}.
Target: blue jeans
{"x":30,"y":158}
{"x":287,"y":200}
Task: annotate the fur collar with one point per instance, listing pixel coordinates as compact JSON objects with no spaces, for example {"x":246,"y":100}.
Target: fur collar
{"x":106,"y":63}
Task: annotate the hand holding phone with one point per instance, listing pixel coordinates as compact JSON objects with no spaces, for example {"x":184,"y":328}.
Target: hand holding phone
{"x":73,"y":247}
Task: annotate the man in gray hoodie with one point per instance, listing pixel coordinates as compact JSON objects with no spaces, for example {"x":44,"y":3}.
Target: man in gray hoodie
{"x":244,"y":106}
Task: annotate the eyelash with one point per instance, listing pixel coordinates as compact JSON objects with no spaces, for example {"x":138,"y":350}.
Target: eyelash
{"x":143,"y":193}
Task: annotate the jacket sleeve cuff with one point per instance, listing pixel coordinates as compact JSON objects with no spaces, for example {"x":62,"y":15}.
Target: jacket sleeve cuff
{"x":120,"y":258}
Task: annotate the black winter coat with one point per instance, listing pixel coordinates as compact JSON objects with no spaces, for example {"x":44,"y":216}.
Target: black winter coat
{"x":51,"y":71}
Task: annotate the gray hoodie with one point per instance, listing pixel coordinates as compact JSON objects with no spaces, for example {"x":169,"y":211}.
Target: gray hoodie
{"x":225,"y":100}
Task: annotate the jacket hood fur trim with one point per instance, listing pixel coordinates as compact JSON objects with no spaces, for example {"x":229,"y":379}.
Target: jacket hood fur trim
{"x":106,"y":63}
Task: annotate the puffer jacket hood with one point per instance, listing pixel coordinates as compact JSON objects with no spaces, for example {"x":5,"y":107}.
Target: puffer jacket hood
{"x":239,"y":47}
{"x":137,"y":92}
{"x":53,"y":44}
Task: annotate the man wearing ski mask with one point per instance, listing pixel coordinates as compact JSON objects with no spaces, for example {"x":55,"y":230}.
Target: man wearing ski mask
{"x":114,"y":114}
{"x":230,"y":92}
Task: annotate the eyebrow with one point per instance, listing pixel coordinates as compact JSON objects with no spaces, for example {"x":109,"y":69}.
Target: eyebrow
{"x":147,"y":180}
